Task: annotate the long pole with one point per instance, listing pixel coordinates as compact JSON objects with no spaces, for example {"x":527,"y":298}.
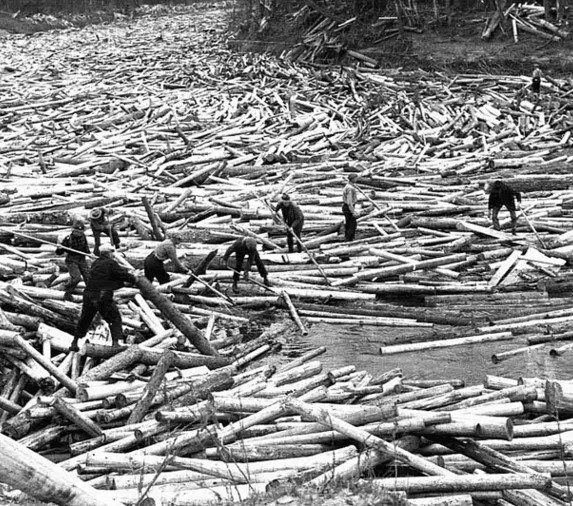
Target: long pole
{"x":532,"y":228}
{"x":306,"y":250}
{"x":43,"y":241}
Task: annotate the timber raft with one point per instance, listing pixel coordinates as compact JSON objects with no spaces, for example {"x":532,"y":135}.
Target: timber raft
{"x":161,"y":124}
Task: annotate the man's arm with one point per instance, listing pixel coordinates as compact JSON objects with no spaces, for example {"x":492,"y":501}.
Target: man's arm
{"x":121,"y":273}
{"x":172,"y":254}
{"x":228,"y":253}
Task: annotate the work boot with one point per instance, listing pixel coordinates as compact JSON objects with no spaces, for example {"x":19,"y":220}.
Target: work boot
{"x":235,"y":287}
{"x":267,"y":282}
{"x":114,"y":343}
{"x":68,"y":296}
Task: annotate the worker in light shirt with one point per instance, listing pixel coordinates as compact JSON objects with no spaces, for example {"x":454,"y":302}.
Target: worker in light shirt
{"x":154,"y":264}
{"x":349,"y":200}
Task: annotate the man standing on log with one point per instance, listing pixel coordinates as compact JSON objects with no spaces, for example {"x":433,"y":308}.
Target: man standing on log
{"x":100,"y":224}
{"x":106,"y":275}
{"x":245,"y":246}
{"x":294,"y":220}
{"x":349,"y":200}
{"x":536,"y":80}
{"x":500,"y":194}
{"x":154,"y":263}
{"x":75,"y":260}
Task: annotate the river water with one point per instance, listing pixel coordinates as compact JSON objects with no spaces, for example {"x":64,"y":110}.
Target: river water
{"x":359,"y":346}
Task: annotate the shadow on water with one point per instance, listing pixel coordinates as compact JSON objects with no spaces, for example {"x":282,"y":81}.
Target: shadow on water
{"x":359,"y":346}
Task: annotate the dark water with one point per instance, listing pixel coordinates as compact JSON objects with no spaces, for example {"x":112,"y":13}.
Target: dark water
{"x":359,"y":346}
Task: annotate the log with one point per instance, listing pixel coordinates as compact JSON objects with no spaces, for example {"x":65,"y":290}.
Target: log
{"x":455,"y":484}
{"x":24,"y":470}
{"x":324,"y":418}
{"x":76,"y":417}
{"x":151,"y":389}
{"x":169,"y":311}
{"x":151,"y":356}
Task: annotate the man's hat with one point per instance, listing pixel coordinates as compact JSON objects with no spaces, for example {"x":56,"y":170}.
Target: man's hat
{"x":285,"y":196}
{"x":250,"y":242}
{"x":78,"y":225}
{"x":96,"y":213}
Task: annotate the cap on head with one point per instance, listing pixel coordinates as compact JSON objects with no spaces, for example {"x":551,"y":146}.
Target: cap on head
{"x":96,"y":213}
{"x":285,"y":197}
{"x":106,"y":250}
{"x":78,"y":225}
{"x":250,"y":242}
{"x":352,"y":177}
{"x":175,"y":238}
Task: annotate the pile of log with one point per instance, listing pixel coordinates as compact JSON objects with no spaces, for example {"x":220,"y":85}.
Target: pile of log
{"x":173,"y":133}
{"x":529,"y":18}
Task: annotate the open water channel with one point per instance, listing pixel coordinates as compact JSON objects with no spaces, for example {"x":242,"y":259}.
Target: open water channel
{"x":360,"y":345}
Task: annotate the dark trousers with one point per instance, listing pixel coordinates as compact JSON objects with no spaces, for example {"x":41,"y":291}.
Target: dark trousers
{"x":99,"y":302}
{"x":495,"y":219}
{"x":350,"y":223}
{"x":154,"y":268}
{"x":254,"y":257}
{"x":297,"y":230}
{"x":97,"y":238}
{"x":536,"y":84}
{"x":78,"y":270}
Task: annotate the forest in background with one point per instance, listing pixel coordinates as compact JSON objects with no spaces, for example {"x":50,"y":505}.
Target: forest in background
{"x":28,"y":7}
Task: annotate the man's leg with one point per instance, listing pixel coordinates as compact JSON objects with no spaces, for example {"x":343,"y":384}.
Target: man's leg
{"x":297,"y":229}
{"x":290,"y":242}
{"x":239,"y":257}
{"x":75,"y":278}
{"x":261,"y":268}
{"x":89,"y":310}
{"x":84,"y":269}
{"x":513,"y":216}
{"x":110,"y":313}
{"x":494,"y":217}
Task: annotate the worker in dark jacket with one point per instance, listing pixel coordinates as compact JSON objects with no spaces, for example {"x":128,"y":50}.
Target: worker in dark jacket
{"x":293,"y":218}
{"x":536,"y":80}
{"x":75,"y":261}
{"x":100,"y":224}
{"x":106,"y":275}
{"x":500,"y":194}
{"x":154,"y":263}
{"x":245,"y":246}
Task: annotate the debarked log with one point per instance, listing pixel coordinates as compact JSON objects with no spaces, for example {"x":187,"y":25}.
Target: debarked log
{"x":150,"y":356}
{"x":169,"y":311}
{"x":25,"y":470}
{"x":447,"y":484}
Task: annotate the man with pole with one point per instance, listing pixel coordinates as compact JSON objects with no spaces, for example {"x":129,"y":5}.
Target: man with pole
{"x":106,"y":275}
{"x":349,"y":200}
{"x":294,"y":220}
{"x":500,"y":195}
{"x":245,"y":246}
{"x":76,"y":259}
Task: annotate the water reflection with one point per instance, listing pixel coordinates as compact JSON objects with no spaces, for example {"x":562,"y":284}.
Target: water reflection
{"x":359,"y":346}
